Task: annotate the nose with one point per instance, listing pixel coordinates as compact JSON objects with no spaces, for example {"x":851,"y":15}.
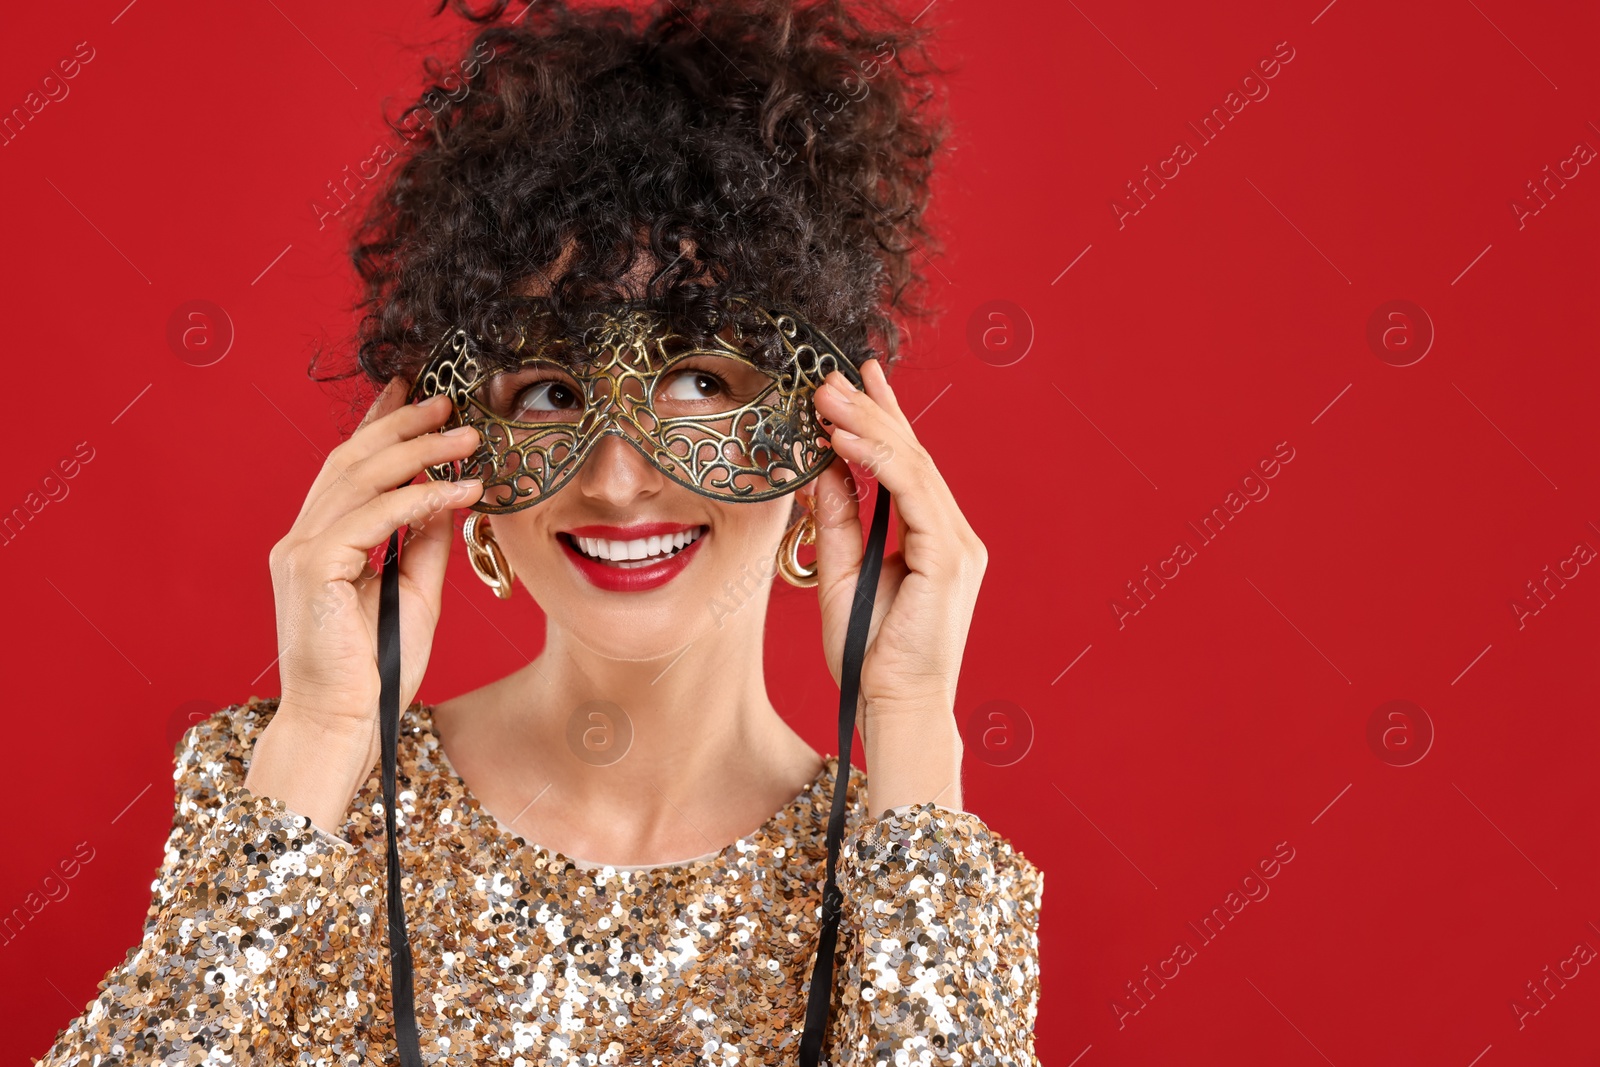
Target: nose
{"x":615,"y":473}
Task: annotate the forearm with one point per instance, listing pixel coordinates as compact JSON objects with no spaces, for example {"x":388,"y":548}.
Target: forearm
{"x":941,"y":950}
{"x":228,"y":951}
{"x":913,"y":757}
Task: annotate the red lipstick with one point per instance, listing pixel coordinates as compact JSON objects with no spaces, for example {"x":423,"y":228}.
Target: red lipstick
{"x":637,"y":576}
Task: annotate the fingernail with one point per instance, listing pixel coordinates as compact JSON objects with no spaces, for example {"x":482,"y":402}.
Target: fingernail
{"x":845,"y":435}
{"x":460,"y":431}
{"x":847,"y":383}
{"x":468,"y":486}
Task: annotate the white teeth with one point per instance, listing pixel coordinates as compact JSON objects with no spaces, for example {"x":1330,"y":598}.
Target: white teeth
{"x":624,"y":553}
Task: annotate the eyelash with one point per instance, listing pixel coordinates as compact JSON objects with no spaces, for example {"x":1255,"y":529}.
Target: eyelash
{"x":722,"y":383}
{"x":698,"y":371}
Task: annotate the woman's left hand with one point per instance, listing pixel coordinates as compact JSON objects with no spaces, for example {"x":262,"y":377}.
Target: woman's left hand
{"x":925,"y":598}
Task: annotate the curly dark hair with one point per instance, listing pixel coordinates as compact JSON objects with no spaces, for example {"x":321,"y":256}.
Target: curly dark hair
{"x":780,"y":148}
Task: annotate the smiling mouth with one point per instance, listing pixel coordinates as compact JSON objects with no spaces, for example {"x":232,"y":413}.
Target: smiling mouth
{"x":639,"y":552}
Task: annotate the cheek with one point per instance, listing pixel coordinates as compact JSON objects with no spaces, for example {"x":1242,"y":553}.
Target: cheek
{"x":524,"y":539}
{"x":744,"y":549}
{"x":753,"y":528}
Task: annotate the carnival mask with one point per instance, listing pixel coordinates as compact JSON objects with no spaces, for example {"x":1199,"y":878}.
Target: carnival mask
{"x":709,"y":416}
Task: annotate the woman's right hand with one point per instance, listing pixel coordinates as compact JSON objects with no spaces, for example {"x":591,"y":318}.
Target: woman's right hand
{"x":323,"y":740}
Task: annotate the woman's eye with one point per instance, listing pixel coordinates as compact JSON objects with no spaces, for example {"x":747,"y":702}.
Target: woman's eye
{"x":547,"y":396}
{"x":692,"y":385}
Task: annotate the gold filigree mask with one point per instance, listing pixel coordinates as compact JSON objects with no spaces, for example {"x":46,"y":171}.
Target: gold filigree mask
{"x":707,"y":416}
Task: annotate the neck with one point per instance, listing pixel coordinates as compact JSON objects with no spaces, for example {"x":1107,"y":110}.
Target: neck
{"x":632,"y":761}
{"x":693,"y":712}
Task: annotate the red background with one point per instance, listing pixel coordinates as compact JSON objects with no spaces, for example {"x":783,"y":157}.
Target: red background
{"x":1228,"y":715}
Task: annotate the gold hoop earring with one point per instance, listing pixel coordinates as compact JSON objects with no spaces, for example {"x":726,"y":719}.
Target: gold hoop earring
{"x":483,"y":552}
{"x":802,"y":532}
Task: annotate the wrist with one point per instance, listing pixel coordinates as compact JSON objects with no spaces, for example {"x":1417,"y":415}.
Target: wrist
{"x":920,"y":707}
{"x":912,"y":759}
{"x":315,"y":767}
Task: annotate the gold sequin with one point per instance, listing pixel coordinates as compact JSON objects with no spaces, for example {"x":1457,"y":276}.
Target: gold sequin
{"x":265,"y":941}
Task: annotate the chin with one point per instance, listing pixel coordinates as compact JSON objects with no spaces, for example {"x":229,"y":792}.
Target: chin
{"x":637,"y":625}
{"x":636,"y":637}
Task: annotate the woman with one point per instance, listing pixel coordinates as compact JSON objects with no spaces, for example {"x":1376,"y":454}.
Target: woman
{"x":618,"y":853}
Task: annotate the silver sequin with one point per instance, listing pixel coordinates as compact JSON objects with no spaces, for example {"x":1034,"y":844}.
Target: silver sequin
{"x":265,"y":941}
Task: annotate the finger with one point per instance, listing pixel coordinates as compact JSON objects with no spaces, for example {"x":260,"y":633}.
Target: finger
{"x":392,"y":420}
{"x":426,"y":556}
{"x":838,"y":518}
{"x":839,"y":557}
{"x":346,"y":544}
{"x":839,"y":550}
{"x":878,"y":388}
{"x":871,"y":437}
{"x":383,"y":471}
{"x":423,"y":540}
{"x":403,"y":423}
{"x":390,"y":397}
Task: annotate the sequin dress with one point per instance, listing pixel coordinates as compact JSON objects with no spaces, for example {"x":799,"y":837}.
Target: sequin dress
{"x":265,"y":939}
